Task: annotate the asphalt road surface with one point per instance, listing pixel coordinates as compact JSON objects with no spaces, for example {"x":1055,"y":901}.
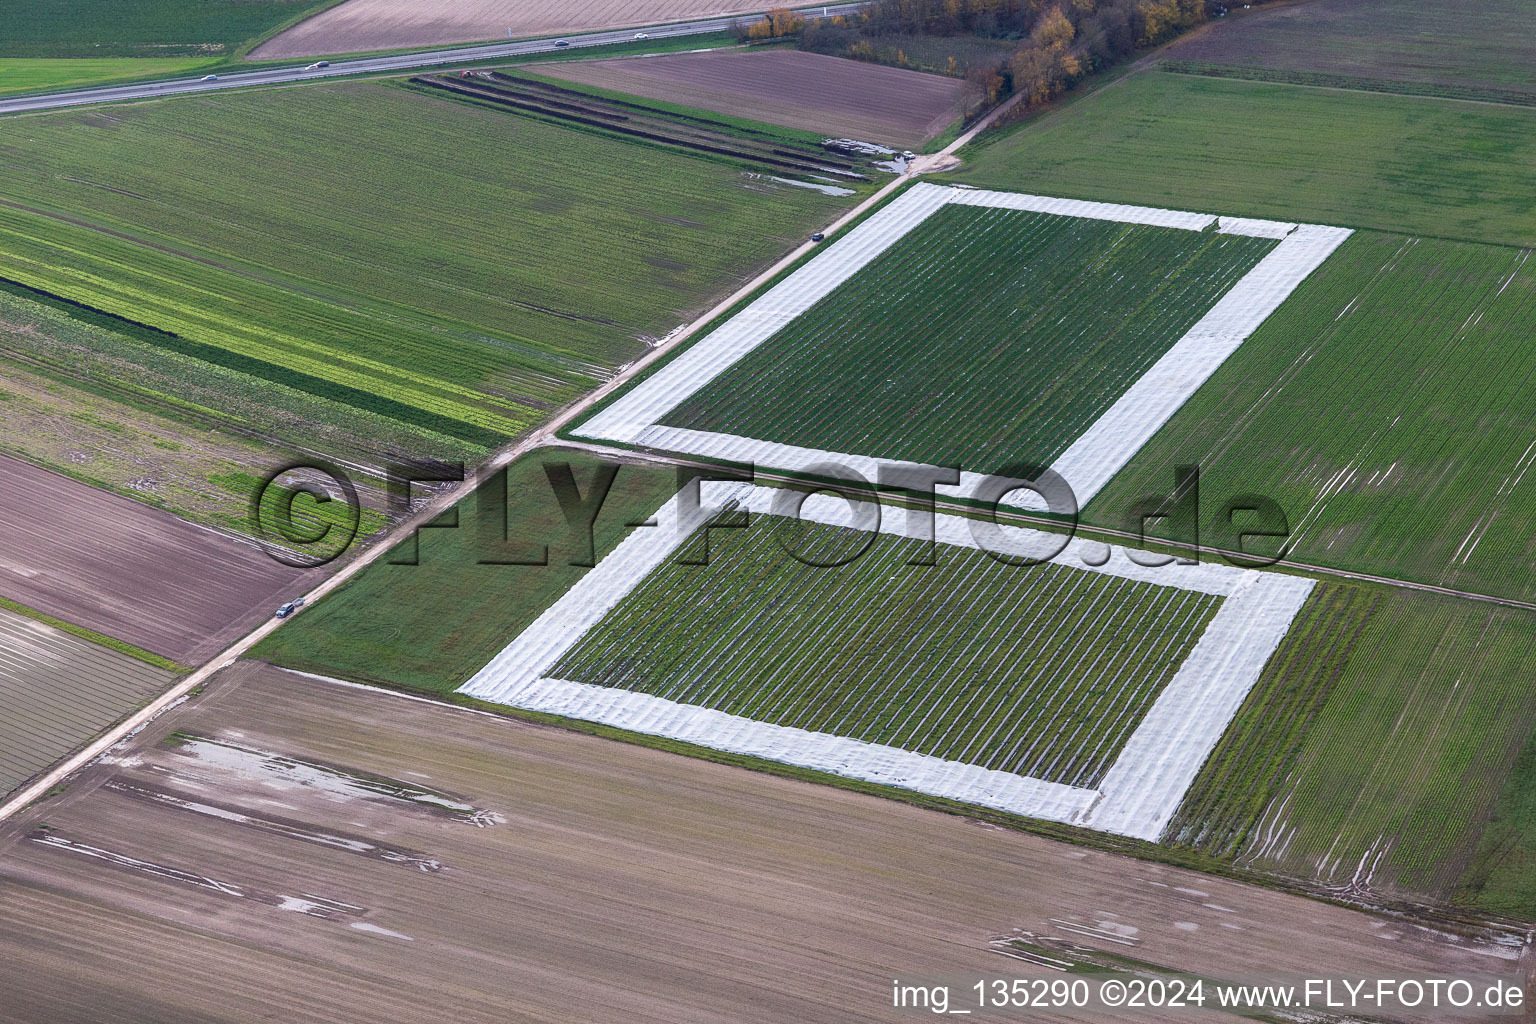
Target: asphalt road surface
{"x":369,"y":65}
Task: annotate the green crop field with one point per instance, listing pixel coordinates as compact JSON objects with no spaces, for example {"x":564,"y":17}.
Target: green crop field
{"x":1501,"y":878}
{"x":1387,"y":406}
{"x":415,"y":275}
{"x":142,"y":28}
{"x":1483,"y":49}
{"x":1012,"y":332}
{"x":1375,"y":749}
{"x":109,"y":404}
{"x":432,"y":625}
{"x":42,"y":74}
{"x":1357,"y":159}
{"x":1044,"y":671}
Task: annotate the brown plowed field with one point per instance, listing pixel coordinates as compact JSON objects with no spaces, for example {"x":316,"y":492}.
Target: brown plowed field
{"x":128,"y":570}
{"x":305,"y":851}
{"x":1456,"y":50}
{"x":799,"y":90}
{"x":360,"y":25}
{"x":58,"y":692}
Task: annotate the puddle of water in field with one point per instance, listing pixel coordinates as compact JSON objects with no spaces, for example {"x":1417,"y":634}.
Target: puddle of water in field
{"x":858,"y":146}
{"x":828,"y":190}
{"x":314,"y":906}
{"x":336,"y":784}
{"x":134,"y":864}
{"x":286,"y":829}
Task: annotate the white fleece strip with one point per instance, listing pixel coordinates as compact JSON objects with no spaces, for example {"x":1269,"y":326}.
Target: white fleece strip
{"x":1254,"y":228}
{"x":1142,"y":788}
{"x":752,"y":451}
{"x":1091,"y":461}
{"x":1110,"y":442}
{"x":855,"y":759}
{"x":1147,"y":782}
{"x":659,"y":393}
{"x":1079,"y":208}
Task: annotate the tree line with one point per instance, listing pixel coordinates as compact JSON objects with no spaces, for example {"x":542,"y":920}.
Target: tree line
{"x":1049,"y":44}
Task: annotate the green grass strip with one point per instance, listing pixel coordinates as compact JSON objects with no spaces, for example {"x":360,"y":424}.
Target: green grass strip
{"x":258,"y":368}
{"x":100,"y":639}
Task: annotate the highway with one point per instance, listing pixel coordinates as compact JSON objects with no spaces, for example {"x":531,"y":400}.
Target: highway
{"x":376,"y":65}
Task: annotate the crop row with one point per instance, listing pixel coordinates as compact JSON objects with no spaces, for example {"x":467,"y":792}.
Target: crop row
{"x":1387,"y":407}
{"x":461,"y":298}
{"x":1237,"y":783}
{"x":315,"y":340}
{"x":1042,"y":671}
{"x":1376,"y":745}
{"x":984,"y":337}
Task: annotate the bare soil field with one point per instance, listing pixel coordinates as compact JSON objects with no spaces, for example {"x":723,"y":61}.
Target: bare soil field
{"x":359,"y":25}
{"x":811,"y":91}
{"x":128,"y":570}
{"x":286,"y":848}
{"x":1482,"y":50}
{"x":57,"y":692}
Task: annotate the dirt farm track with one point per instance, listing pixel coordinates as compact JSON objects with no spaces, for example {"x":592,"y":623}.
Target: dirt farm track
{"x":300,"y":850}
{"x":359,"y":25}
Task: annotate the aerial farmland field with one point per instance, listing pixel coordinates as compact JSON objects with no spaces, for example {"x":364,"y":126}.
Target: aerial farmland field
{"x":1421,"y":473}
{"x":385,"y":305}
{"x":1130,"y":290}
{"x":136,"y":574}
{"x":1261,"y":149}
{"x":155,"y":29}
{"x":1053,"y":691}
{"x":1375,"y":749}
{"x":36,"y":74}
{"x":58,"y":692}
{"x":790,"y":87}
{"x":1106,"y":316}
{"x":1070,"y":664}
{"x":175,"y":860}
{"x":1483,"y":50}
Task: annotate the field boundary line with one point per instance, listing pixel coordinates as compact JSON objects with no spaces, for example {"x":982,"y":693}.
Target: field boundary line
{"x":1140,"y":792}
{"x":402,"y":694}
